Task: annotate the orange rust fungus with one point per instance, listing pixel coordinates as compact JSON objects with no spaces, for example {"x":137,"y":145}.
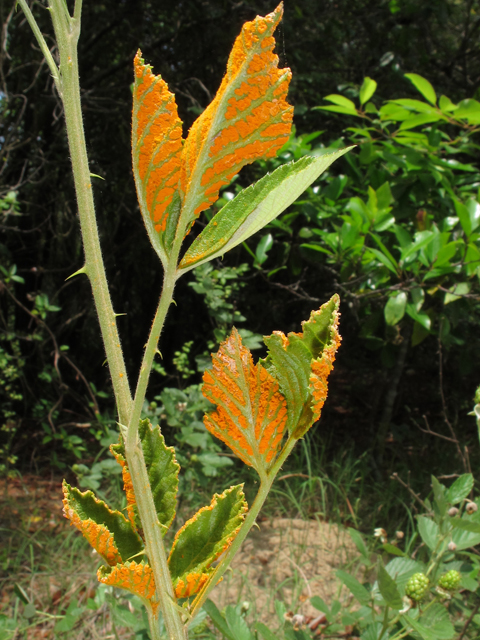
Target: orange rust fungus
{"x":137,"y":578}
{"x":251,"y":413}
{"x":97,"y":535}
{"x":191,"y":585}
{"x":127,"y":487}
{"x":157,"y":141}
{"x":320,"y":370}
{"x":257,"y":111}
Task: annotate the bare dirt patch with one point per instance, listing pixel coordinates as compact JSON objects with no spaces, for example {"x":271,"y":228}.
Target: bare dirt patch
{"x":288,"y":560}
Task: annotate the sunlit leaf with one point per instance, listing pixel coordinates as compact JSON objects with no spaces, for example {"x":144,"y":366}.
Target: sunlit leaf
{"x":156,"y":152}
{"x":203,"y":538}
{"x":248,"y":119}
{"x":424,"y":86}
{"x":162,"y":469}
{"x":135,"y":577}
{"x":251,"y":413}
{"x":367,"y":90}
{"x":108,"y":531}
{"x":255,"y":207}
{"x":301,"y":362}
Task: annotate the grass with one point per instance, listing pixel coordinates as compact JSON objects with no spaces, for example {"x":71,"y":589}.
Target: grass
{"x":47,"y":571}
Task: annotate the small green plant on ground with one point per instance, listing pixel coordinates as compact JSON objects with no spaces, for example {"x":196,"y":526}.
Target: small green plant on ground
{"x":261,"y":410}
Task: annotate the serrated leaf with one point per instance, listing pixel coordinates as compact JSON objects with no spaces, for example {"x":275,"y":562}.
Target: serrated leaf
{"x":251,"y":413}
{"x":108,"y":531}
{"x":255,"y":207}
{"x":388,"y":588}
{"x":436,"y":618}
{"x":135,"y":577}
{"x":203,"y":538}
{"x":357,"y":589}
{"x":429,"y":531}
{"x":156,"y":152}
{"x":301,"y":362}
{"x":401,"y":569}
{"x":460,"y":488}
{"x":251,"y":101}
{"x":423,"y":86}
{"x":162,"y":469}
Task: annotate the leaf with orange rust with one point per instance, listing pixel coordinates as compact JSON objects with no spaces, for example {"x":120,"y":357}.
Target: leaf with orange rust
{"x":156,"y":151}
{"x":251,"y":413}
{"x":301,"y":362}
{"x":248,"y":119}
{"x":203,"y":538}
{"x":135,"y":577}
{"x":162,"y":469}
{"x":108,"y":531}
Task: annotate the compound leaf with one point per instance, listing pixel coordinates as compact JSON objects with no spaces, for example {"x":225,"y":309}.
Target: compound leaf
{"x":248,"y":119}
{"x":251,"y":413}
{"x":255,"y":207}
{"x":135,"y":577}
{"x":162,"y":469}
{"x":301,"y":362}
{"x":108,"y":531}
{"x":156,"y":151}
{"x":203,"y":538}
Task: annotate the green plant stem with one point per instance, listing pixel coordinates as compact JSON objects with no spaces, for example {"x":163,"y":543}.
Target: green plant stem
{"x":265,"y":486}
{"x":166,"y":298}
{"x":155,"y":548}
{"x":67,"y":32}
{"x":42,"y":44}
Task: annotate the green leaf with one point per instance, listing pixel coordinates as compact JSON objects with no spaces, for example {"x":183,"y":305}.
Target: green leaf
{"x":383,"y":259}
{"x":395,"y":308}
{"x":460,"y":489}
{"x":436,"y":618}
{"x":464,"y":214}
{"x":346,"y":105}
{"x":465,"y":525}
{"x":255,"y":207}
{"x":108,"y":531}
{"x":357,"y":589}
{"x":393,"y":550}
{"x":265,"y":632}
{"x":429,"y":531}
{"x":423,"y":86}
{"x":162,"y":469}
{"x":440,"y":502}
{"x":401,"y":569}
{"x":424,"y":632}
{"x":217,"y":619}
{"x":388,"y":588}
{"x":456,"y":292}
{"x":367,"y":90}
{"x":358,"y":541}
{"x":263,"y":247}
{"x":463,"y":538}
{"x":373,"y":631}
{"x":237,"y":624}
{"x":292,"y":361}
{"x":422,"y":318}
{"x":468,"y":110}
{"x":321,"y":605}
{"x":203,"y":538}
{"x":417,"y":121}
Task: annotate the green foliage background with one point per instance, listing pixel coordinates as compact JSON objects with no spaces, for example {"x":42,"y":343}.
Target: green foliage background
{"x":54,"y":388}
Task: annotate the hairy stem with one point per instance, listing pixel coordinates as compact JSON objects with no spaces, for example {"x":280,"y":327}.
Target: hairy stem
{"x":67,"y":31}
{"x":265,"y":486}
{"x":155,"y":548}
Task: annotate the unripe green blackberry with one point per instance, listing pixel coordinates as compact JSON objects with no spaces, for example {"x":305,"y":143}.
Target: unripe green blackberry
{"x":417,"y":587}
{"x":450,"y":580}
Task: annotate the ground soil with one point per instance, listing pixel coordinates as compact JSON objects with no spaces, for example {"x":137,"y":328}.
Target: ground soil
{"x":284,"y":559}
